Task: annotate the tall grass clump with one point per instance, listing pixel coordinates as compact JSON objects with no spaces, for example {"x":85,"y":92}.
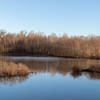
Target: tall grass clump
{"x":13,"y":69}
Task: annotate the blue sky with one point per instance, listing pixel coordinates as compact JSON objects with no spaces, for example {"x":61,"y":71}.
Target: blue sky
{"x":74,"y":17}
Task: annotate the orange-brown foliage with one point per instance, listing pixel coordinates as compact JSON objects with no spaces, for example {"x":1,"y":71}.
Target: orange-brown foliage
{"x":52,"y":45}
{"x":12,"y":69}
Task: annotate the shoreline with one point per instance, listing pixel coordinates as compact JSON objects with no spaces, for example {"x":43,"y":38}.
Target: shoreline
{"x":42,"y":55}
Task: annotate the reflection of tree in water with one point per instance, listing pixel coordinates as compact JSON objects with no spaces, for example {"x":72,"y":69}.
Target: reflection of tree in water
{"x":63,"y":67}
{"x":12,"y":80}
{"x":93,"y":75}
{"x":89,"y":75}
{"x":76,"y":74}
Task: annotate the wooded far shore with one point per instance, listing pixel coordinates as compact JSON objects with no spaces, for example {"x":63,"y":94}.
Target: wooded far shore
{"x":39,"y":44}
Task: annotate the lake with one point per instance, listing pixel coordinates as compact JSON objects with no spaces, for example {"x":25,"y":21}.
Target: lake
{"x":52,"y":78}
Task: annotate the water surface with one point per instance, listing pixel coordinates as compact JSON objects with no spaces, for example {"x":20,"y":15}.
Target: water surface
{"x":52,"y":79}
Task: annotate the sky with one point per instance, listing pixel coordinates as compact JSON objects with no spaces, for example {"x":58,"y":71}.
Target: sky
{"x":74,"y":17}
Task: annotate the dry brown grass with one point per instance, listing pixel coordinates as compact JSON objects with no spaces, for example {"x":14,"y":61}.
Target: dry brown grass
{"x":12,"y":69}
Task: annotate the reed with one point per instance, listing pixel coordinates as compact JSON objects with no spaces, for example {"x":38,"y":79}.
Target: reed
{"x":13,"y":69}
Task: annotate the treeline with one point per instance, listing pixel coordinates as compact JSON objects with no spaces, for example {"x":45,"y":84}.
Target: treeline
{"x":33,"y":43}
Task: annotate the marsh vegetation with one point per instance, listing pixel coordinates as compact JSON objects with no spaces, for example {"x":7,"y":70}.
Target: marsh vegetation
{"x":12,"y":69}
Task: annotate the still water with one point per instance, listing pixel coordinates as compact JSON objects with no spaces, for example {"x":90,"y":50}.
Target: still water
{"x":52,"y":78}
